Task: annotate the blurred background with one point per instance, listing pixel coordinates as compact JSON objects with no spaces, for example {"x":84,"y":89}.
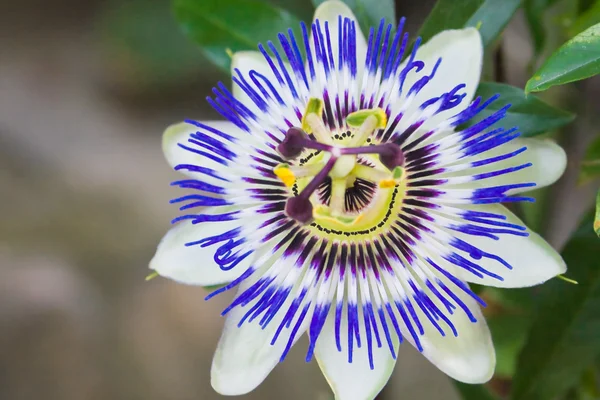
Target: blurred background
{"x":86,"y":89}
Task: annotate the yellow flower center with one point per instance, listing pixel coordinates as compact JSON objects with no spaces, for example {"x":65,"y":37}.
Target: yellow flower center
{"x":343,"y":183}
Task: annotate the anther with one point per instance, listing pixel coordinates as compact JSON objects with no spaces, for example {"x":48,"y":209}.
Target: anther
{"x":299,"y":208}
{"x":367,"y":121}
{"x":391,"y":156}
{"x":293,"y":144}
{"x":285,"y":174}
{"x":312,"y":121}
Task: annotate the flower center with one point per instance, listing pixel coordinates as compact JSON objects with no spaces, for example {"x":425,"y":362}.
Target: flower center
{"x":339,"y":181}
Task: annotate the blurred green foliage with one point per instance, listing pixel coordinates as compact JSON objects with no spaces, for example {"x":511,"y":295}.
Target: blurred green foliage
{"x":445,"y":15}
{"x":563,"y":341}
{"x":489,"y":16}
{"x":223,"y":27}
{"x":534,"y":12}
{"x":145,"y":46}
{"x":587,"y":18}
{"x":590,"y":166}
{"x":473,"y":392}
{"x":509,"y":332}
{"x":597,"y":218}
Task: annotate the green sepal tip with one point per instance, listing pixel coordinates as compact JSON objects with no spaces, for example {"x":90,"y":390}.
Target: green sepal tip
{"x":568,"y":280}
{"x":153,"y":275}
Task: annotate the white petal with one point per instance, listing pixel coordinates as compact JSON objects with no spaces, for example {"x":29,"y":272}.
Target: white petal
{"x":247,"y":61}
{"x":244,"y":355}
{"x":462,"y":58}
{"x":548,"y":158}
{"x":468,"y":357}
{"x":179,"y":133}
{"x":353,"y":381}
{"x":194,"y":265}
{"x":533,"y":260}
{"x":330,"y":11}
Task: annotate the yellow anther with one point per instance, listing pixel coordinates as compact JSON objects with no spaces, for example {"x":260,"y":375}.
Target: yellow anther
{"x":357,"y":118}
{"x":314,"y":106}
{"x":396,"y":179}
{"x":387,"y":183}
{"x":285,"y":174}
{"x":365,"y":122}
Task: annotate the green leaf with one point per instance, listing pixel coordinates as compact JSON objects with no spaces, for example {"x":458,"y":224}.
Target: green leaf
{"x":489,"y":16}
{"x":509,"y":332}
{"x":534,"y":12}
{"x":565,"y":336}
{"x":578,"y":59}
{"x":218,"y":26}
{"x":597,"y":219}
{"x":492,"y":17}
{"x":445,"y":15}
{"x":584,"y":5}
{"x":590,"y":166}
{"x":531,"y":115}
{"x":302,"y":9}
{"x":519,"y":300}
{"x":473,"y":392}
{"x":585,"y":20}
{"x":588,"y":385}
{"x":509,"y":321}
{"x":535,"y":21}
{"x":369,"y":12}
{"x":144,"y":46}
